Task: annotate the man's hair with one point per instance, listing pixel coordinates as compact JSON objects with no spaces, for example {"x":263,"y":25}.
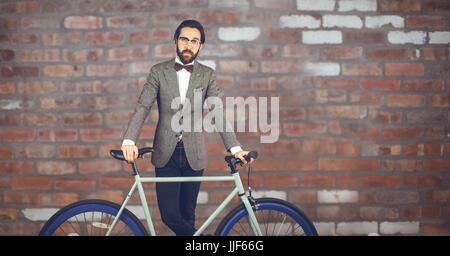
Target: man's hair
{"x":191,"y":24}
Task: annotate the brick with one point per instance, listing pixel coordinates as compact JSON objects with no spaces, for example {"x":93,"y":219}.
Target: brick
{"x":140,"y":67}
{"x":397,"y":197}
{"x":347,"y":148}
{"x":8,"y":23}
{"x":45,"y":199}
{"x":440,"y":196}
{"x":115,"y":183}
{"x":330,"y":164}
{"x":262,"y":51}
{"x":399,"y":228}
{"x":337,"y":196}
{"x":364,"y":37}
{"x":386,"y":54}
{"x":238,"y":66}
{"x":426,"y":117}
{"x":7,"y":88}
{"x":57,"y":135}
{"x":5,"y":153}
{"x":18,"y":183}
{"x":357,"y":228}
{"x":77,"y":151}
{"x":439,"y":100}
{"x":300,"y":21}
{"x":16,"y":135}
{"x":344,"y":53}
{"x":84,"y":119}
{"x":60,"y":38}
{"x":17,"y":167}
{"x":411,"y":37}
{"x":83,"y":22}
{"x":380,"y":85}
{"x":404,"y":69}
{"x":75,"y":184}
{"x":285,"y":66}
{"x":63,"y":70}
{"x":90,"y":55}
{"x":99,"y":167}
{"x":166,"y":51}
{"x":318,"y":146}
{"x":304,"y":129}
{"x":64,"y":102}
{"x":402,"y":133}
{"x":423,"y":181}
{"x":233,"y":34}
{"x":280,"y":180}
{"x":436,"y":165}
{"x":425,"y":22}
{"x":105,"y":38}
{"x":321,"y":68}
{"x":315,"y":181}
{"x":8,"y":214}
{"x":219,"y":17}
{"x":384,"y":21}
{"x":362,"y":132}
{"x":42,"y":22}
{"x":316,"y":5}
{"x":341,"y":21}
{"x":304,"y":165}
{"x":322,"y":37}
{"x":422,"y":86}
{"x":303,"y":197}
{"x":40,"y":151}
{"x":125,"y":22}
{"x":7,"y":55}
{"x":439,"y":37}
{"x":369,"y":181}
{"x":284,"y":36}
{"x":100,"y":134}
{"x":402,"y":165}
{"x":404,"y":100}
{"x":35,"y":88}
{"x":361,"y":70}
{"x":378,"y":213}
{"x":55,"y":168}
{"x":350,"y":112}
{"x":106,"y":70}
{"x":400,"y":5}
{"x":19,"y":71}
{"x":152,"y":35}
{"x":357,"y":5}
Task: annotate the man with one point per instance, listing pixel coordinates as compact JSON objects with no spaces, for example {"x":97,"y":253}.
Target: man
{"x":178,"y":153}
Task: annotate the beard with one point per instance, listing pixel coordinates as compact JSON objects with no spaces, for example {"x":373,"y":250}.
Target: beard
{"x":187,"y":59}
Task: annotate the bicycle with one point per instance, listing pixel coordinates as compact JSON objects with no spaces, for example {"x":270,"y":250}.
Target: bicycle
{"x":254,"y":216}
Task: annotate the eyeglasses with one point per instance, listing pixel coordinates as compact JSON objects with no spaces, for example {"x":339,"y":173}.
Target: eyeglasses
{"x":185,"y":41}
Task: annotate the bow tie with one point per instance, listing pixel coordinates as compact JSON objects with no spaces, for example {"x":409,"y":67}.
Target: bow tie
{"x":179,"y":67}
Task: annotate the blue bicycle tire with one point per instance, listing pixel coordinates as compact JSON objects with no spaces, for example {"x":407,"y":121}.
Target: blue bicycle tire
{"x":92,"y":205}
{"x":272,"y":204}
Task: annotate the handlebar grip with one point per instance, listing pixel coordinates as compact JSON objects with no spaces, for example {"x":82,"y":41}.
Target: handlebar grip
{"x":250,"y":155}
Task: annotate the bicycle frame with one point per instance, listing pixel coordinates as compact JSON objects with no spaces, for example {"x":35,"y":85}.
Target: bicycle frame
{"x":238,"y":190}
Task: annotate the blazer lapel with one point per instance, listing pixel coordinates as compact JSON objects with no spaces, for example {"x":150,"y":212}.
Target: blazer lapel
{"x":171,"y":77}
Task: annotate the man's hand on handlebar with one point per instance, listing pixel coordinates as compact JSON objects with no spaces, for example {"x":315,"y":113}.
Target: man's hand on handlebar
{"x":130,"y":152}
{"x":241,"y":155}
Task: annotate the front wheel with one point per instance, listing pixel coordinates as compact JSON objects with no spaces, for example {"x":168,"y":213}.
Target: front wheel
{"x":275,"y":217}
{"x":92,"y":218}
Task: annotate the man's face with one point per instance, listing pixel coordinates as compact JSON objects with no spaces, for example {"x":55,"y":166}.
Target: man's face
{"x":188,"y":44}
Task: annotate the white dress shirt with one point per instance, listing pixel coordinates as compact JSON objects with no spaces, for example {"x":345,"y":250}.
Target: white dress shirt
{"x":183,"y":82}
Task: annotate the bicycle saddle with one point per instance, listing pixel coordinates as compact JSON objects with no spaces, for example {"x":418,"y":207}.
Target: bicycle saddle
{"x":118,"y":154}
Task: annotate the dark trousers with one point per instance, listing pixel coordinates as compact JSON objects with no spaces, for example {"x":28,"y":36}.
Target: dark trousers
{"x":177,"y":200}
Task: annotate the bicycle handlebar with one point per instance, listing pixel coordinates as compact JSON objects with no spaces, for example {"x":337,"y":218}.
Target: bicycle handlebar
{"x":231,"y":160}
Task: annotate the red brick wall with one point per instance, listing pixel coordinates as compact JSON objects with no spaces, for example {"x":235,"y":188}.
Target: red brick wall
{"x":364,"y":104}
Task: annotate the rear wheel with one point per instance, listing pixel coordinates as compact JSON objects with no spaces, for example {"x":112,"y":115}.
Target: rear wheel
{"x":275,"y":217}
{"x":92,"y":218}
